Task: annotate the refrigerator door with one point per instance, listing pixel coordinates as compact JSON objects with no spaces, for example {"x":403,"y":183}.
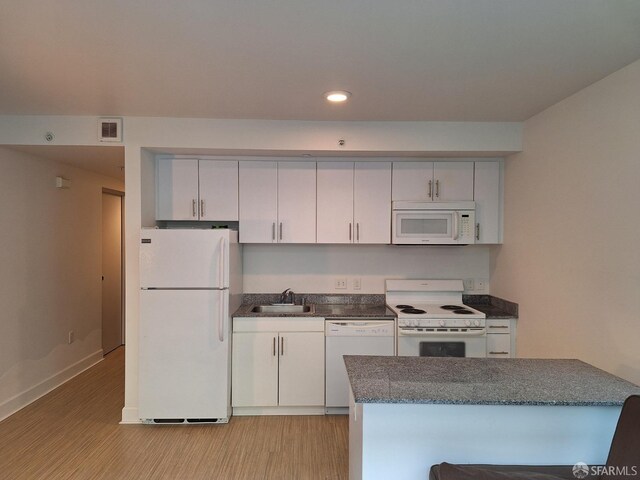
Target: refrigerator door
{"x":184,"y":355}
{"x":184,"y":258}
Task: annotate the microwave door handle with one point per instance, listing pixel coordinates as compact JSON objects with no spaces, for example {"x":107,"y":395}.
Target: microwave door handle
{"x":456,"y":233}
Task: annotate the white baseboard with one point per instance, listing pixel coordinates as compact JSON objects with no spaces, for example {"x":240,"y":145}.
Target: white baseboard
{"x":130,"y":416}
{"x":21,"y":400}
{"x":251,"y":411}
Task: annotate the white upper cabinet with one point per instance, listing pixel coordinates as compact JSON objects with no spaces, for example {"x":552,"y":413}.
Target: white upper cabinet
{"x":193,"y":189}
{"x":354,"y":202}
{"x":277,"y":202}
{"x":218,"y":181}
{"x":488,"y":203}
{"x":432,"y":181}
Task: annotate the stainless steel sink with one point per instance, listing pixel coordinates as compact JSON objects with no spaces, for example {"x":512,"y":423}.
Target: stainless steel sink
{"x":283,"y":309}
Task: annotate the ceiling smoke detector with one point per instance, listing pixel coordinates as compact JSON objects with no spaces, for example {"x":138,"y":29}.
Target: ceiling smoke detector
{"x":337,"y":96}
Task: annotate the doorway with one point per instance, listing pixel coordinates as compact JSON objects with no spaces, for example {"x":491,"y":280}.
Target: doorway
{"x":112,"y":270}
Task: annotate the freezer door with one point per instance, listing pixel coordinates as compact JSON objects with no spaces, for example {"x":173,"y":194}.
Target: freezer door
{"x":184,"y":354}
{"x":184,"y":258}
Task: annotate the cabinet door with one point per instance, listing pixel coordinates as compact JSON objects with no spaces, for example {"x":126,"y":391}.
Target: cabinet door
{"x":177,"y":184}
{"x":255,"y":370}
{"x":218,"y":190}
{"x":487,"y":198}
{"x":411,"y":181}
{"x":452,"y":181}
{"x":301,"y":369}
{"x":335,"y":202}
{"x":499,"y":345}
{"x":258,"y":203}
{"x":297,"y":202}
{"x":372,"y":202}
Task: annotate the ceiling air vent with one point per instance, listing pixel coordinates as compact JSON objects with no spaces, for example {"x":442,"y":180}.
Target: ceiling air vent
{"x":110,"y":129}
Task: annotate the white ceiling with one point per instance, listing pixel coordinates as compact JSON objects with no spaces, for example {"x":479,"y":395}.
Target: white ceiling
{"x":473,"y":60}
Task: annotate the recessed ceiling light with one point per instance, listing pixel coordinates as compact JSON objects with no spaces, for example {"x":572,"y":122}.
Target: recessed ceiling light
{"x":337,"y":96}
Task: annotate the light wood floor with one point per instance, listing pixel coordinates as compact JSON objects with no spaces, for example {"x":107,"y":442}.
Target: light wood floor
{"x":73,"y":433}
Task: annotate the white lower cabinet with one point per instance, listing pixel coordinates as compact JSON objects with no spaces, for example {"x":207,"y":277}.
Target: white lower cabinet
{"x":278,"y":366}
{"x":501,"y":338}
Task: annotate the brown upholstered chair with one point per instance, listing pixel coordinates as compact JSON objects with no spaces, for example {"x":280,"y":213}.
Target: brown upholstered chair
{"x":624,"y":452}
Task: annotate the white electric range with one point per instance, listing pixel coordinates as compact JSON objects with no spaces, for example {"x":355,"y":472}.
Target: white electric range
{"x":433,"y":321}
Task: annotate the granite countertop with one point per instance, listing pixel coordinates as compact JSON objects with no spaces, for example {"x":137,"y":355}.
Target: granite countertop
{"x":492,"y":307}
{"x":326,"y":305}
{"x":483,"y":381}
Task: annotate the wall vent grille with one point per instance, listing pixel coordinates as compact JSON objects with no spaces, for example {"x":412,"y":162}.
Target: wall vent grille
{"x":110,"y":129}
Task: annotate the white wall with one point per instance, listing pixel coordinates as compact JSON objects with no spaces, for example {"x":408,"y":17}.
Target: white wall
{"x":571,"y":253}
{"x":314,"y":268}
{"x":50,"y":275}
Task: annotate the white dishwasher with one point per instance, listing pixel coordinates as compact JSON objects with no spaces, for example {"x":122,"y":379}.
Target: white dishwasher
{"x":350,"y":336}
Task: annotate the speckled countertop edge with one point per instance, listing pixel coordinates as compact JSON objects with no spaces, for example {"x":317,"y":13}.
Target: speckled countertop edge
{"x":543,"y":382}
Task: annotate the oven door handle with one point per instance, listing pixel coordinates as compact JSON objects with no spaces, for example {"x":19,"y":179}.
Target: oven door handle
{"x":471,"y":333}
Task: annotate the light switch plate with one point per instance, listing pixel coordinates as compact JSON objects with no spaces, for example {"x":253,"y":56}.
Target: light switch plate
{"x":357,"y":283}
{"x":469,"y":284}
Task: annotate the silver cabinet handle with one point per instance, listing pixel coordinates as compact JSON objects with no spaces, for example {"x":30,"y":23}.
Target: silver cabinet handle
{"x":437,"y":188}
{"x":280,"y":230}
{"x":202,"y":208}
{"x":477,"y":231}
{"x":358,"y":232}
{"x":193,"y":207}
{"x":282,"y":346}
{"x":498,"y":326}
{"x":430,"y":189}
{"x":350,"y":230}
{"x":274,"y":346}
{"x":273,"y":231}
{"x":498,"y":353}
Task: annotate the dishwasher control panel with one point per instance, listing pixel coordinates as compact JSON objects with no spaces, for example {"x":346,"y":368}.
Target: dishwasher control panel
{"x":362,"y":328}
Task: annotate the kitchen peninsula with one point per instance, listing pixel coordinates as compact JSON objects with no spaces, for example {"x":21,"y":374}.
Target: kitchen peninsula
{"x":408,"y":413}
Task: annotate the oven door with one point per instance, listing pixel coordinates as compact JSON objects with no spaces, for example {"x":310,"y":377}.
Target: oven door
{"x":468,"y":342}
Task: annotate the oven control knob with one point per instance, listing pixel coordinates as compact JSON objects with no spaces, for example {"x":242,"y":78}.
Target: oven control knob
{"x":442,"y":323}
{"x":467,"y":323}
{"x":476,"y":323}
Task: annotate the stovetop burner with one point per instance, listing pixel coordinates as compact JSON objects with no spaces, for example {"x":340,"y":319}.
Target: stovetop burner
{"x":463,"y":311}
{"x":415,"y":311}
{"x":404,"y":306}
{"x":451,"y":307}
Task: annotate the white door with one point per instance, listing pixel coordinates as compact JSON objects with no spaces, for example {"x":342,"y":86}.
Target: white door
{"x":296,"y":202}
{"x":177,"y":189}
{"x":372,"y":202}
{"x":172,"y":258}
{"x":218,"y":190}
{"x":301,"y":369}
{"x":452,"y":181}
{"x":413,"y":181}
{"x":487,"y":198}
{"x":112,"y":324}
{"x":335,"y":202}
{"x":184,"y":367}
{"x":258,"y":203}
{"x":499,"y":345}
{"x":255,"y":369}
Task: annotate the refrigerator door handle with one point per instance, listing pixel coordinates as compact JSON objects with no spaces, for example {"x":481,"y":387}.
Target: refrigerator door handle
{"x":222,"y":314}
{"x":221,"y":264}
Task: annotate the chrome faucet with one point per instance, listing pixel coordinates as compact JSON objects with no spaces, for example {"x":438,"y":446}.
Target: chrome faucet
{"x":288,"y":296}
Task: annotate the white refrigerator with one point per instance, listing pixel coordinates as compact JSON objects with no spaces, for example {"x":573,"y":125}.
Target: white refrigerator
{"x":191,"y":282}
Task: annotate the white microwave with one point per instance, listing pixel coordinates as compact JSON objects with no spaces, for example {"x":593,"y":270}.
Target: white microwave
{"x":433,"y":223}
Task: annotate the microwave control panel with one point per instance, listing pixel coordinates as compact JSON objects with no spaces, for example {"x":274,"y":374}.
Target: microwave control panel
{"x":466,"y":229}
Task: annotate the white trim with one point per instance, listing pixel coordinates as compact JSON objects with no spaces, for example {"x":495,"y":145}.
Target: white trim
{"x":130,"y":416}
{"x":30,"y":395}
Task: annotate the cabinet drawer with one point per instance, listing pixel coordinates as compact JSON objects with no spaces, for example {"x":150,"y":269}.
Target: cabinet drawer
{"x":498,"y":326}
{"x":499,"y":346}
{"x":278,"y":324}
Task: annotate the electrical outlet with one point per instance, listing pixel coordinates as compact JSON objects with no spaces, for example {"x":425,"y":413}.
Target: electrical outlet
{"x":469,"y":284}
{"x":341,"y":284}
{"x":71,"y":337}
{"x":357,"y":283}
{"x":481,"y":284}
